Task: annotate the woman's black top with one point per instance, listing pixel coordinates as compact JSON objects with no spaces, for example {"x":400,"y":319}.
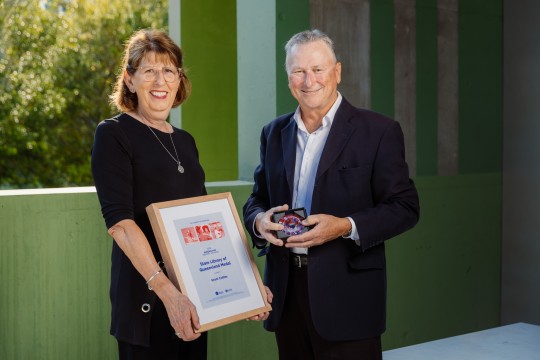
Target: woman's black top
{"x":132,"y":170}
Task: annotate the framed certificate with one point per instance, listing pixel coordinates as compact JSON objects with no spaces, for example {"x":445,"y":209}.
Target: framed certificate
{"x":207,"y":257}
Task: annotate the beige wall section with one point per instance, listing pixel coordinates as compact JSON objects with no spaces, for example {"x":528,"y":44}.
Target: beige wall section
{"x":405,"y":75}
{"x":447,"y":88}
{"x":256,"y":28}
{"x":348,"y":24}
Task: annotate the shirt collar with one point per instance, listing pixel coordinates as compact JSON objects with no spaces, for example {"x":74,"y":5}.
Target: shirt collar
{"x":328,"y":119}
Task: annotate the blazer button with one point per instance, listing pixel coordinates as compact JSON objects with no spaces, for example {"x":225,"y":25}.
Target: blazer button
{"x":145,"y":308}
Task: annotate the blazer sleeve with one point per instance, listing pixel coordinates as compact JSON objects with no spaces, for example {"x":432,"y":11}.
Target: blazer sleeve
{"x":396,"y":204}
{"x":258,"y":200}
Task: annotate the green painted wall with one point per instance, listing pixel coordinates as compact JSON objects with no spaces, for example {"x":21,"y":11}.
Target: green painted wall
{"x":480,"y":86}
{"x":382,"y":56}
{"x":211,"y":57}
{"x":55,"y":260}
{"x":210,"y":114}
{"x":479,"y":78}
{"x":443,"y":276}
{"x":292,"y":16}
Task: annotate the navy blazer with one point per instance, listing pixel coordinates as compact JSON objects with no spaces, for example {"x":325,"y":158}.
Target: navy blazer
{"x":362,"y":173}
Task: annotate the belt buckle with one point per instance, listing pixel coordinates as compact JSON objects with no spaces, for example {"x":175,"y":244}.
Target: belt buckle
{"x":297,"y":261}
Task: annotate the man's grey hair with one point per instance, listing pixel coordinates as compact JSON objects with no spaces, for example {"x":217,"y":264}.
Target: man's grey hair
{"x":306,"y":37}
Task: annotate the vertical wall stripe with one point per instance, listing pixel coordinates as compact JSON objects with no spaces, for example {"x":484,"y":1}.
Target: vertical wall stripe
{"x":175,"y":33}
{"x":256,"y":78}
{"x":382,"y":56}
{"x":292,"y":16}
{"x":480,"y":86}
{"x":348,"y":24}
{"x":426,"y":87}
{"x":210,"y":114}
{"x":405,"y":75}
{"x":448,"y":107}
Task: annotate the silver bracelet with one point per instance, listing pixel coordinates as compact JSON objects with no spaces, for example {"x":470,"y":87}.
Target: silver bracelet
{"x":152,"y":278}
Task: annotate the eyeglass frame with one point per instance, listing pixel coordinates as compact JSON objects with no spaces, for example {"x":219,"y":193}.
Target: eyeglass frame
{"x":155,"y":74}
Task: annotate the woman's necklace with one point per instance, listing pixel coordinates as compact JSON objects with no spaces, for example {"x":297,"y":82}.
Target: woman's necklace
{"x":177,"y":159}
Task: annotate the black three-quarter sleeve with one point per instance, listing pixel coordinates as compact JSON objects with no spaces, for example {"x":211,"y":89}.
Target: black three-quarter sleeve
{"x":112,"y":172}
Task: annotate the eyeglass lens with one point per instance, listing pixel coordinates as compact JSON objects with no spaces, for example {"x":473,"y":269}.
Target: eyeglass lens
{"x":170,"y":74}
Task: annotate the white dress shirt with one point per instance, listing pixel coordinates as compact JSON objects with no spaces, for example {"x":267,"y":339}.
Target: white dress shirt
{"x":309,"y":147}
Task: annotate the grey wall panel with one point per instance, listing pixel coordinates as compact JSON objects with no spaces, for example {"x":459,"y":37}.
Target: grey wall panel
{"x":348,"y":24}
{"x":405,"y":75}
{"x":521,"y":176}
{"x":447,"y":87}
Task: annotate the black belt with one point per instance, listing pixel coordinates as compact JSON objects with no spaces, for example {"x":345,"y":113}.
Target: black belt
{"x":298,"y":260}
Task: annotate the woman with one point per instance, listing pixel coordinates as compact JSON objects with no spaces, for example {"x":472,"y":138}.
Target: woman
{"x":138,"y":158}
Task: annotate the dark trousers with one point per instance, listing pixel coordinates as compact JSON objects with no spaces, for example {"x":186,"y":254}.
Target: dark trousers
{"x":297,"y":338}
{"x":164,"y":344}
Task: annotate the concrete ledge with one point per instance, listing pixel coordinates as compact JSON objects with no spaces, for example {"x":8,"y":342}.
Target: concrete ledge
{"x":49,"y":191}
{"x":90,"y":189}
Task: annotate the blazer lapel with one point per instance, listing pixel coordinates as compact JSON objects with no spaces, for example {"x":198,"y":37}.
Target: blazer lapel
{"x":288,"y":145}
{"x":338,"y":137}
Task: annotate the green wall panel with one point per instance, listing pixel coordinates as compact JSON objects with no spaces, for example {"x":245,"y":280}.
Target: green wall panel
{"x":443,"y":276}
{"x":292,"y":16}
{"x":382,"y":56}
{"x":210,"y":114}
{"x":480,"y":86}
{"x":426,"y":87}
{"x":55,"y":262}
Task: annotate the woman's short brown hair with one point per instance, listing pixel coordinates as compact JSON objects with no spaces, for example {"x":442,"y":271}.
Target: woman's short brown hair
{"x":137,"y":47}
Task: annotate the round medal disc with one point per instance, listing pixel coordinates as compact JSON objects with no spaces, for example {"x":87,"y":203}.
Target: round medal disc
{"x":292,"y":224}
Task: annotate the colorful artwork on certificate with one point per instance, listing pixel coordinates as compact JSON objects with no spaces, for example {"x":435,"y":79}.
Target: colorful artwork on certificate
{"x":206,"y":232}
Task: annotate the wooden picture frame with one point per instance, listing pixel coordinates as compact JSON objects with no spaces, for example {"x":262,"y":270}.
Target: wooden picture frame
{"x":207,"y":257}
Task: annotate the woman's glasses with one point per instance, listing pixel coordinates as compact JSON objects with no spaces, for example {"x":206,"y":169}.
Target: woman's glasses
{"x":150,"y":73}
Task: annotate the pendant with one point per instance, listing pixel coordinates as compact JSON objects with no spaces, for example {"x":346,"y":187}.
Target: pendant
{"x":180,"y":168}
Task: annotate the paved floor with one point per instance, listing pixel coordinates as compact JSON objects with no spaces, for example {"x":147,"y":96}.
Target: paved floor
{"x":511,"y":342}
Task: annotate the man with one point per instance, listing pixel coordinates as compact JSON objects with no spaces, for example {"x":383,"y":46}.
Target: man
{"x":346,"y":167}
